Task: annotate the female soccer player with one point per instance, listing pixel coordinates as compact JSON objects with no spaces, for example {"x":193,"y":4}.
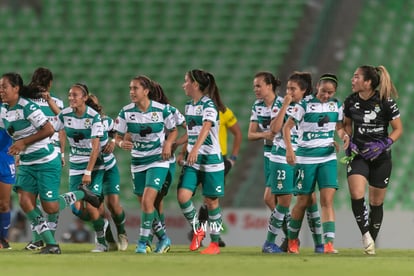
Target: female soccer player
{"x":265,"y":85}
{"x":84,"y":129}
{"x":202,"y":157}
{"x":228,"y":124}
{"x":145,"y":124}
{"x":50,"y":106}
{"x":282,"y":175}
{"x":317,"y":118}
{"x":39,"y":163}
{"x":369,"y":111}
{"x":158,"y":95}
{"x":7,"y":179}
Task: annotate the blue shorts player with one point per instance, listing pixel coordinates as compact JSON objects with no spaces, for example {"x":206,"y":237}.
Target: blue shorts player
{"x":7,"y":179}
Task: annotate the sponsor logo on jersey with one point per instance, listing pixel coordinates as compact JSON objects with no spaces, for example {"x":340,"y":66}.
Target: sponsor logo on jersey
{"x":369,"y":115}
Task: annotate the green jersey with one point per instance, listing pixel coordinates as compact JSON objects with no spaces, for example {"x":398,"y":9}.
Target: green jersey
{"x":23,"y":120}
{"x":44,"y":106}
{"x":148,"y":131}
{"x":80,"y":130}
{"x":261,"y":114}
{"x":278,"y":153}
{"x":209,"y":155}
{"x":317,"y":124}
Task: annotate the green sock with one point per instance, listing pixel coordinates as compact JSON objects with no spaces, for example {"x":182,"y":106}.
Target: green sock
{"x":119,"y":221}
{"x":276,"y":222}
{"x":190,"y":212}
{"x":215,"y":224}
{"x":294,"y":228}
{"x":68,"y":199}
{"x":285,"y":224}
{"x":40,"y":224}
{"x":162,"y":219}
{"x":157,"y":226}
{"x":35,"y":236}
{"x":98,"y":226}
{"x":52,"y":222}
{"x":109,"y":237}
{"x":328,"y":231}
{"x":146,"y":225}
{"x":314,"y":222}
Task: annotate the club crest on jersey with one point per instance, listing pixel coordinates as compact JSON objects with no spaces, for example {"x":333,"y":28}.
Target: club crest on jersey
{"x":279,"y":185}
{"x":331,"y":106}
{"x":155,"y":117}
{"x":87,"y":123}
{"x":199,"y":110}
{"x":377,"y":108}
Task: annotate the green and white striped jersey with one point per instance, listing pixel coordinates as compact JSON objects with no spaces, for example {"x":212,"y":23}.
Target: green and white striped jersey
{"x":79,"y":132}
{"x":23,"y":120}
{"x":44,"y":106}
{"x":316,"y":122}
{"x":179,"y":120}
{"x":148,"y":130}
{"x":209,"y":155}
{"x":261,"y":114}
{"x":278,"y":153}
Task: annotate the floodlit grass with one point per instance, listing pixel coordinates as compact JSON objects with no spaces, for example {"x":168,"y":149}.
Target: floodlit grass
{"x":77,"y":260}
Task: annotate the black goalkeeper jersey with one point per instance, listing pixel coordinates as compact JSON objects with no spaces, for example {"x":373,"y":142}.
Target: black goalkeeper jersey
{"x":370,"y":117}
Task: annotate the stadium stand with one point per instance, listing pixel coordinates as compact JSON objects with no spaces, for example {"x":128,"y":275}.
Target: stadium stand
{"x":105,"y":43}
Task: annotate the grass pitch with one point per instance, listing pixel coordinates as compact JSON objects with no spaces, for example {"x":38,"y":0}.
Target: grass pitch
{"x":76,"y":259}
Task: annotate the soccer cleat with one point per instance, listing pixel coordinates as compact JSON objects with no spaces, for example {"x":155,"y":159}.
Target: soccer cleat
{"x":89,"y":196}
{"x":368,"y":243}
{"x":141,"y":247}
{"x":293,"y":246}
{"x":329,"y":248}
{"x":163,"y":245}
{"x":284,"y":245}
{"x":122,"y":242}
{"x":198,"y":237}
{"x":4,"y":244}
{"x":221,"y":243}
{"x":212,"y":249}
{"x":100,"y":248}
{"x":148,"y":248}
{"x":320,"y":248}
{"x":50,"y":249}
{"x":270,"y":247}
{"x":33,"y":246}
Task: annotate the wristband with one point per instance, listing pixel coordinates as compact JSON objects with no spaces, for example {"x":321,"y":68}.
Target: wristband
{"x":233,"y":157}
{"x":87,"y":172}
{"x":113,"y":141}
{"x":120,"y":144}
{"x":62,"y":155}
